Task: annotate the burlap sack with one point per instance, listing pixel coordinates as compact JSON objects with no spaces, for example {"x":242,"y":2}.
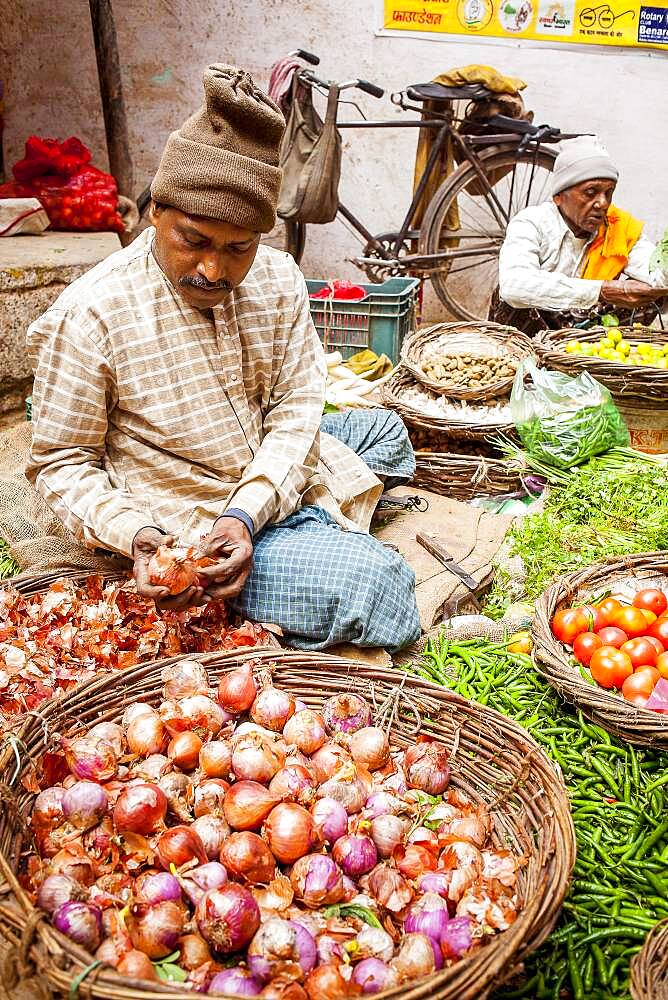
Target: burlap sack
{"x":472,"y":536}
{"x":37,"y":539}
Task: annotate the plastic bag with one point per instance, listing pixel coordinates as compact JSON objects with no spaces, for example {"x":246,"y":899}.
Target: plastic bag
{"x":76,"y":195}
{"x":564,"y":421}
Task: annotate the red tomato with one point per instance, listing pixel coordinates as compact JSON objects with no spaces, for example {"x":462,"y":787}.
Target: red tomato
{"x":606,"y":609}
{"x":611,"y":636}
{"x":630,"y":620}
{"x":569,"y":622}
{"x":641,"y":651}
{"x":659,"y":630}
{"x":659,"y":646}
{"x":651,"y":600}
{"x":610,"y":667}
{"x":640,"y":684}
{"x":585,"y":645}
{"x":662,"y":664}
{"x":595,"y":618}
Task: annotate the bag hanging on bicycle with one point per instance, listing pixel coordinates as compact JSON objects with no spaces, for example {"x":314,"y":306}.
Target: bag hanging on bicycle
{"x":311,"y":160}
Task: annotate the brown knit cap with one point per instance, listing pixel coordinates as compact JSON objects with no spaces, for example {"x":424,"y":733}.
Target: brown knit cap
{"x":223,"y":162}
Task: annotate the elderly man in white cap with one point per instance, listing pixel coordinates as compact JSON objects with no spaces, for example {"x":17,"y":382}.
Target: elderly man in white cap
{"x":577,"y":253}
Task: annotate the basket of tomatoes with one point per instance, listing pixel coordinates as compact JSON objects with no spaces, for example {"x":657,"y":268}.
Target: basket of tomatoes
{"x":601,"y":639}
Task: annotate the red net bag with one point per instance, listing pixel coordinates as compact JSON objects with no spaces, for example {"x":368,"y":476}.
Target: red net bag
{"x":75,"y":194}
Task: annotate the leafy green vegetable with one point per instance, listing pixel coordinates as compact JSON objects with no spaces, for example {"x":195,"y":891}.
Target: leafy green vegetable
{"x":7,"y":565}
{"x":596,"y":513}
{"x":659,"y":259}
{"x":610,"y":320}
{"x":353,"y":910}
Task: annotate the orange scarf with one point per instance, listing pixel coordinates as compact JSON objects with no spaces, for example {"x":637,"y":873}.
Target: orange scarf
{"x":609,"y":253}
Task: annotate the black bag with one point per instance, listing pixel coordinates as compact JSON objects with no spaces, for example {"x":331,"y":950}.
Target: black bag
{"x":310,"y":156}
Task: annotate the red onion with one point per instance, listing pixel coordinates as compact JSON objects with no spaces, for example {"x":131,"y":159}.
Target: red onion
{"x":199,"y":880}
{"x":227,"y":918}
{"x":289,"y":832}
{"x":272,"y":708}
{"x":136,"y":965}
{"x":456,"y":938}
{"x":179,"y":845}
{"x":293,"y":783}
{"x":330,"y":818}
{"x":372,"y":975}
{"x":237,"y":690}
{"x":346,"y":713}
{"x":213,"y":832}
{"x":247,"y":857}
{"x":387,"y":833}
{"x":176,"y":788}
{"x":194,"y":951}
{"x":140,"y":809}
{"x":247,"y":805}
{"x":350,"y":889}
{"x":348,"y":790}
{"x":413,"y":860}
{"x":426,"y":767}
{"x":146,"y":734}
{"x":56,"y":890}
{"x":235,"y":982}
{"x":215,"y":759}
{"x":317,"y":880}
{"x":84,"y":804}
{"x":73,"y":862}
{"x":425,"y":838}
{"x":256,"y":757}
{"x":429,"y":915}
{"x":155,"y":928}
{"x":438,"y":882}
{"x":306,"y":730}
{"x":371,"y":747}
{"x":184,"y":750}
{"x":474,"y":828}
{"x":182,"y":679}
{"x":415,"y":959}
{"x":157,"y":887}
{"x":374,"y":942}
{"x":389,"y":888}
{"x":47,"y":810}
{"x":281,"y":947}
{"x":133,"y":712}
{"x":327,"y":983}
{"x":356,"y":854}
{"x":328,"y":759}
{"x":90,"y":760}
{"x":209,"y":797}
{"x":202,"y":714}
{"x":81,"y":922}
{"x":282,"y":988}
{"x":109,"y":732}
{"x":277,"y":895}
{"x":383,"y":804}
{"x":152,"y":768}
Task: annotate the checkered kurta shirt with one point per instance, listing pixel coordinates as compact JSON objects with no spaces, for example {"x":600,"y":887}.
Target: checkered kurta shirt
{"x":147,"y":412}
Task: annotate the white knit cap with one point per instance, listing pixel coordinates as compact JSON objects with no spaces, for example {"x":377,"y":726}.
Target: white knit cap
{"x":582,"y":159}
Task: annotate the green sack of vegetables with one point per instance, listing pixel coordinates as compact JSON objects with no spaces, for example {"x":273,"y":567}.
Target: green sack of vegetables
{"x":562,"y":420}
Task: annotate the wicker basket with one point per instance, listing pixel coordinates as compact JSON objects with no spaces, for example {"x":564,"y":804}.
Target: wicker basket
{"x":484,"y":339}
{"x":638,"y":381}
{"x":393,"y":397}
{"x":493,"y":761}
{"x":625,"y":574}
{"x":463,"y":477}
{"x":649,"y":968}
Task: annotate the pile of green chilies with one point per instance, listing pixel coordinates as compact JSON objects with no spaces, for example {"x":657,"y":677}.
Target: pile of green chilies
{"x":617,"y":793}
{"x":7,"y":565}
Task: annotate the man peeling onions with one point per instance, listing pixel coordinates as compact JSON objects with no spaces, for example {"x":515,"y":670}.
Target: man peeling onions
{"x":178,"y":401}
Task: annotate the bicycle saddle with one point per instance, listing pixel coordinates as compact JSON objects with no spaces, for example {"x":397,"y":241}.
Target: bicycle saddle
{"x":437,"y":92}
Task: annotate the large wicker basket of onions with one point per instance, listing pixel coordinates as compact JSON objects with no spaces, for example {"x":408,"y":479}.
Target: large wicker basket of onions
{"x":285,"y":825}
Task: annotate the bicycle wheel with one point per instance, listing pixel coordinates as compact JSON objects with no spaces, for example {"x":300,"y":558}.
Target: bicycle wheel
{"x":288,"y":236}
{"x":472,"y":217}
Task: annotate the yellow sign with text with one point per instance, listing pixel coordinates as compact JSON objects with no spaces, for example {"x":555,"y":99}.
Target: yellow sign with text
{"x":620,"y":22}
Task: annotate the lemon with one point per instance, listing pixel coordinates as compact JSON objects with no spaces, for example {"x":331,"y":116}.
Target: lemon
{"x":615,"y":336}
{"x":644,"y":349}
{"x":607,"y":343}
{"x":573,"y":346}
{"x":624,"y":346}
{"x":588,"y":350}
{"x":617,"y":356}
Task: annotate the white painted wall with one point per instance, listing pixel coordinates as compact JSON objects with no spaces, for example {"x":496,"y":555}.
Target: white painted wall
{"x":49,"y":73}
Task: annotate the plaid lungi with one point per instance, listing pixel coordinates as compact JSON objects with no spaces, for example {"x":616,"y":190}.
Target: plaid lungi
{"x":325,"y":585}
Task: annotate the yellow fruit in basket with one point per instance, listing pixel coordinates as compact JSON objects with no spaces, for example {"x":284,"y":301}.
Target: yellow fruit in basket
{"x":615,"y":336}
{"x":573,"y":346}
{"x":588,"y":351}
{"x":665,"y":350}
{"x":624,"y":346}
{"x":617,"y":356}
{"x":607,"y":343}
{"x":644,"y":348}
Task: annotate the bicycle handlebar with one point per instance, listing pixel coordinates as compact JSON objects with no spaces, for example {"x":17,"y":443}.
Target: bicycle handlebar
{"x":306,"y":56}
{"x":370,"y":88}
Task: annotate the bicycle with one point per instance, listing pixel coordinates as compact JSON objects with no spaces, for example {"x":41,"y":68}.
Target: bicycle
{"x":504,"y":167}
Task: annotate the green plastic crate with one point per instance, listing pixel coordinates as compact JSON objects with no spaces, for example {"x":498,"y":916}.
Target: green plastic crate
{"x":380,"y":321}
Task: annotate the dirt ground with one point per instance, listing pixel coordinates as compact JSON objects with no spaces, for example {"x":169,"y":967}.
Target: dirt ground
{"x":11,"y":418}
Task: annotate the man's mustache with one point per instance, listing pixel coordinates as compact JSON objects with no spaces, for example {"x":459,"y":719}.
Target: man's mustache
{"x":197,"y":281}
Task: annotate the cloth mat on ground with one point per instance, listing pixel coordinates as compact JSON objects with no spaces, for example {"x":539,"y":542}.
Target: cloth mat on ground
{"x":472,"y":536}
{"x":37,"y":539}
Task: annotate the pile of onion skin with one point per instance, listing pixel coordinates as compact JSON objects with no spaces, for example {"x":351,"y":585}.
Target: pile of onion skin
{"x":239,"y":843}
